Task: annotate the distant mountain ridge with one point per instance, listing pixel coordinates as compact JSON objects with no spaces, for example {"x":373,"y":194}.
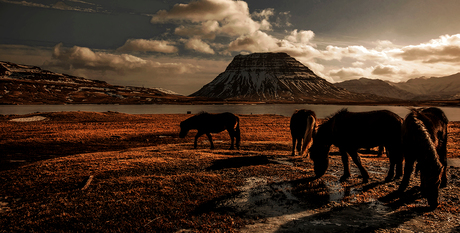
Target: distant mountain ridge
{"x":434,"y":88}
{"x":272,"y":77}
{"x":23,"y":84}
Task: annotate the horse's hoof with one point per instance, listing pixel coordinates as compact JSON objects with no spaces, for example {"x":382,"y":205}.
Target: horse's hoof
{"x":344,"y":178}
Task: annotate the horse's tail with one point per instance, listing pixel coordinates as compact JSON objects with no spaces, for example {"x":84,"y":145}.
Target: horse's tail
{"x":308,"y":137}
{"x":237,"y":132}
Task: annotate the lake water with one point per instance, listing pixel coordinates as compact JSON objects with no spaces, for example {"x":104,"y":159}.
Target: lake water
{"x":322,"y":111}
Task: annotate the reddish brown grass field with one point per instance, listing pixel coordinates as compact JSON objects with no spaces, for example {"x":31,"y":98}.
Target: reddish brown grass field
{"x":106,"y":172}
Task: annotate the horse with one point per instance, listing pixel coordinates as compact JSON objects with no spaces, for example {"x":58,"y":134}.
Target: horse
{"x":350,"y":131}
{"x":207,"y":123}
{"x":424,"y":138}
{"x":303,"y":128}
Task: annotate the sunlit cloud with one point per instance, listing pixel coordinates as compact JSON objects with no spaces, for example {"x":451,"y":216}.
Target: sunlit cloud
{"x":385,"y":70}
{"x":255,"y":42}
{"x":303,"y":37}
{"x":84,"y":58}
{"x":206,"y":30}
{"x":149,"y":45}
{"x":198,"y":45}
{"x":233,"y":17}
{"x":444,"y":49}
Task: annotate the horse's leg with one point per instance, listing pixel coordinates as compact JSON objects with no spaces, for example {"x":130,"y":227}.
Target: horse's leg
{"x":210,"y":140}
{"x":357,"y":160}
{"x":397,"y":157}
{"x":232,"y":136}
{"x":442,"y":153}
{"x":408,"y":168}
{"x":396,"y":160}
{"x":237,"y":136}
{"x":198,"y":134}
{"x":294,"y":146}
{"x":346,"y":166}
{"x":391,"y":171}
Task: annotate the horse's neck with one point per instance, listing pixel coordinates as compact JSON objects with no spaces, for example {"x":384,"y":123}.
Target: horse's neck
{"x":324,"y":133}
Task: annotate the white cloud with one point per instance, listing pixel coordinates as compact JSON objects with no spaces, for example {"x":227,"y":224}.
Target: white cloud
{"x":303,"y":37}
{"x":444,"y":49}
{"x":233,"y":16}
{"x":357,"y":63}
{"x":207,"y":30}
{"x":255,"y":42}
{"x":149,"y":45}
{"x":198,"y":45}
{"x":385,"y":70}
{"x":84,"y":58}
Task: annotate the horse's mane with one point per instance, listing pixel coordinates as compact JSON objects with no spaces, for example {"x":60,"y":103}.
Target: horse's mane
{"x":202,"y":113}
{"x":420,"y":126}
{"x":332,"y":116}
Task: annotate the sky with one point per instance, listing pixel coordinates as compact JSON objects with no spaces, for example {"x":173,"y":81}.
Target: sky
{"x":183,"y":45}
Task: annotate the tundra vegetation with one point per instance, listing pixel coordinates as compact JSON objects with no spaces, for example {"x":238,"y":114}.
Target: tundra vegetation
{"x":105,"y":172}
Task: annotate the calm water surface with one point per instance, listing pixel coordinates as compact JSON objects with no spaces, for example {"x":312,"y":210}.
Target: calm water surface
{"x":321,"y":111}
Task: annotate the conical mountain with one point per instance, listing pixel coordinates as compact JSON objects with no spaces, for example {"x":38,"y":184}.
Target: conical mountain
{"x":274,"y":76}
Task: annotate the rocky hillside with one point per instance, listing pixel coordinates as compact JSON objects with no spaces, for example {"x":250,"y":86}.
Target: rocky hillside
{"x":275,"y":76}
{"x":434,"y":88}
{"x":22,"y":84}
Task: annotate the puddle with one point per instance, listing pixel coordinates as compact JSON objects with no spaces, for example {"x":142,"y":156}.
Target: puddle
{"x":258,"y":198}
{"x":276,"y":209}
{"x":337,"y":192}
{"x":29,"y":119}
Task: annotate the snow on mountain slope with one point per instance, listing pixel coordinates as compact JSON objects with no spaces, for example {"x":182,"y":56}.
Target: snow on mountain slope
{"x":22,"y":84}
{"x":274,"y":76}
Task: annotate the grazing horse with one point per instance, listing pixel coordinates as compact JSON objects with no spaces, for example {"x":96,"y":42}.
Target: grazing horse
{"x":424,"y":138}
{"x":207,"y":123}
{"x":350,"y":131}
{"x":303,"y":128}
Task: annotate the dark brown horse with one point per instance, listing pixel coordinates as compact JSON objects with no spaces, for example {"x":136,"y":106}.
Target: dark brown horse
{"x":424,"y":137}
{"x":207,"y":123}
{"x":303,"y":128}
{"x":351,"y":131}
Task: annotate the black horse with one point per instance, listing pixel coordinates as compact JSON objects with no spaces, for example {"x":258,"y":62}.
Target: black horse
{"x":351,"y":131}
{"x":303,"y":128}
{"x":424,"y":137}
{"x":207,"y":123}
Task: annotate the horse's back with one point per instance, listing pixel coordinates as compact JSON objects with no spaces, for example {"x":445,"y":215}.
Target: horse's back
{"x":367,"y":129}
{"x":369,"y":121}
{"x":436,"y":116}
{"x":219,"y":122}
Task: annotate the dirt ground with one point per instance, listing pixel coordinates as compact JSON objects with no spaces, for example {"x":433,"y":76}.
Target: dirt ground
{"x":109,"y":172}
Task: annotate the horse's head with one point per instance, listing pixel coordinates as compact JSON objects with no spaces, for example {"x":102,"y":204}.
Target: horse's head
{"x":429,"y":184}
{"x":319,"y":155}
{"x":319,"y":150}
{"x":184,"y":128}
